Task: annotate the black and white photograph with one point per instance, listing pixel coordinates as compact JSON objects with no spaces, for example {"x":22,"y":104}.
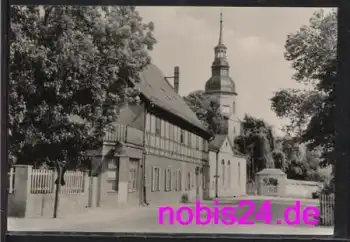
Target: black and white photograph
{"x":172,"y":119}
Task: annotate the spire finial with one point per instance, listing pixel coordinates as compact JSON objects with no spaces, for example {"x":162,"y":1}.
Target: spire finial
{"x":220,"y":36}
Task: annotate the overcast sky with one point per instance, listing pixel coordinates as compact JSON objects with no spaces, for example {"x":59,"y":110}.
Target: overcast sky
{"x":255,"y":39}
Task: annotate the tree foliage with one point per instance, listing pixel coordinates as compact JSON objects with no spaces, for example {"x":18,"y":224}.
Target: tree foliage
{"x":312,"y":52}
{"x":67,"y":69}
{"x":257,"y":142}
{"x":301,"y":162}
{"x":207,"y":111}
{"x":264,"y":150}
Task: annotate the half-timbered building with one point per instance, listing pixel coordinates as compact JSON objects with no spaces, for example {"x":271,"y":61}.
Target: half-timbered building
{"x":159,"y":149}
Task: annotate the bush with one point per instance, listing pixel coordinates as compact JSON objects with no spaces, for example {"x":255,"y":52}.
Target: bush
{"x":328,"y":187}
{"x":316,"y":195}
{"x":184,"y":198}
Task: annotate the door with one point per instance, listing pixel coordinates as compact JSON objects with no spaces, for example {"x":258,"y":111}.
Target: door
{"x":134,"y":182}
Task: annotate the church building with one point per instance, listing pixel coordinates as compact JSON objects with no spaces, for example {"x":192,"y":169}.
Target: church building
{"x":227,"y":168}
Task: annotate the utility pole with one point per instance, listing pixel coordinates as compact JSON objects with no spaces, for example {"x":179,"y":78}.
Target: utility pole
{"x":217,"y":176}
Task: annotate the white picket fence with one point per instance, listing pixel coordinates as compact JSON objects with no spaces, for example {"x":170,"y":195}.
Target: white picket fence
{"x":327,"y":205}
{"x":43,"y":181}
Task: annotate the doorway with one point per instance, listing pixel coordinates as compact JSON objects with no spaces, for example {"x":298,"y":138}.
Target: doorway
{"x":134,"y":182}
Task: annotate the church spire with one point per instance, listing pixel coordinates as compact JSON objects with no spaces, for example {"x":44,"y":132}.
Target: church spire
{"x":220,"y":36}
{"x":220,"y":49}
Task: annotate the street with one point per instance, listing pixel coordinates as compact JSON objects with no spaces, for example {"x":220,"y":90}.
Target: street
{"x":145,"y":219}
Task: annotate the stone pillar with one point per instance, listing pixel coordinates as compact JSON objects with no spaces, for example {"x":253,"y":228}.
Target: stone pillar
{"x":282,"y":186}
{"x":21,"y":190}
{"x":93,"y":191}
{"x":123,"y":180}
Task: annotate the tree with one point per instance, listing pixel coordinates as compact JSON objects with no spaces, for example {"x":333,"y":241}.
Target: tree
{"x":279,"y":158}
{"x":264,"y":150}
{"x":257,"y":142}
{"x":312,"y":52}
{"x":301,"y":162}
{"x":207,"y":111}
{"x":68,"y":67}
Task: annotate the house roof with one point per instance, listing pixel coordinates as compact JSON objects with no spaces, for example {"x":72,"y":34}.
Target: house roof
{"x":216,"y":144}
{"x":154,"y":86}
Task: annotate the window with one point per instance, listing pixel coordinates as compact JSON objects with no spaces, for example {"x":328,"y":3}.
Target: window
{"x":158,"y":126}
{"x":193,"y":179}
{"x":204,"y":145}
{"x":189,"y":139}
{"x":113,"y":175}
{"x":156,"y":179}
{"x":224,"y":72}
{"x":152,"y":123}
{"x":188,"y":181}
{"x":239,"y":174}
{"x":225,"y":109}
{"x":148,"y":122}
{"x":162,"y":129}
{"x":171,"y":131}
{"x":234,"y":106}
{"x":223,"y":172}
{"x":229,"y":173}
{"x":166,"y":133}
{"x":132,"y":180}
{"x":174,"y":181}
{"x":197,"y":142}
{"x":204,"y":181}
{"x":179,"y":181}
{"x":168,"y":180}
{"x":175,"y":133}
{"x":182,"y":136}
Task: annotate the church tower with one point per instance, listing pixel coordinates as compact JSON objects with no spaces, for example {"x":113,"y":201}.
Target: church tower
{"x":222,"y":88}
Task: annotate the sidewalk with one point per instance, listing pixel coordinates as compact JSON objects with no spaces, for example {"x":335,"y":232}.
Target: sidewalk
{"x":95,"y":215}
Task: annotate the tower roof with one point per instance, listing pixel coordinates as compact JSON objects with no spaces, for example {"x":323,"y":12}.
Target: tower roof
{"x":220,"y":84}
{"x":221,"y":42}
{"x":220,"y":81}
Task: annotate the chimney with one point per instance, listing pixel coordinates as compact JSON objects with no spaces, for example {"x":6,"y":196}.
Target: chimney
{"x":176,"y":79}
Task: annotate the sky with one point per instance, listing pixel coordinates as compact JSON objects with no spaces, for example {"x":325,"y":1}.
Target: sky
{"x":254,"y":38}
